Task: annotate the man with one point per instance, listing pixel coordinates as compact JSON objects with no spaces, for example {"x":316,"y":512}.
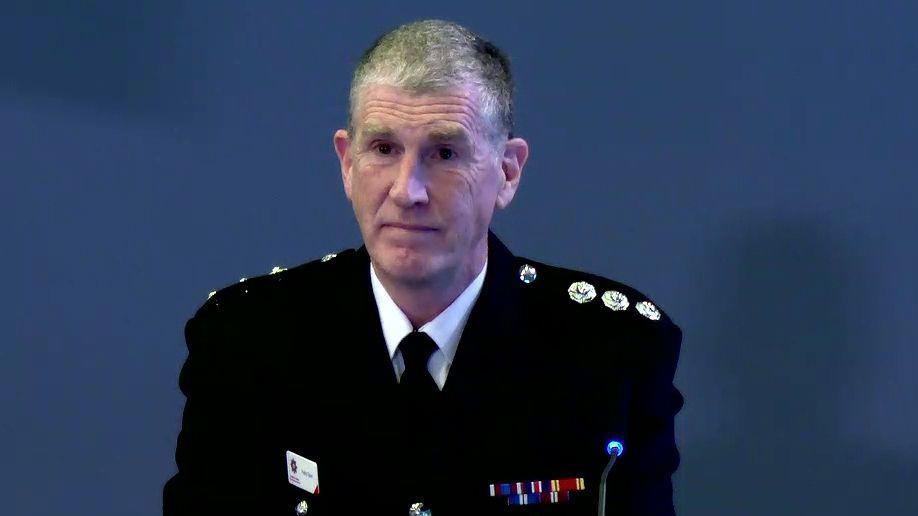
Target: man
{"x":430,"y":371}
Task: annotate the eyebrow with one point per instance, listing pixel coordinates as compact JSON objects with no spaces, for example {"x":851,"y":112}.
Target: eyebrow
{"x":439,"y":134}
{"x":372,"y":132}
{"x":449,"y":134}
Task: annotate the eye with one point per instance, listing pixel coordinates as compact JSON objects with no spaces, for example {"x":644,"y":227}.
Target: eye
{"x":445,"y":153}
{"x":384,"y":148}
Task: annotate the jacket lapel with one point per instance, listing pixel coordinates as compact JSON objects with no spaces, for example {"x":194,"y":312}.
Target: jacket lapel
{"x":375,"y":361}
{"x":491,"y":339}
{"x":493,"y":332}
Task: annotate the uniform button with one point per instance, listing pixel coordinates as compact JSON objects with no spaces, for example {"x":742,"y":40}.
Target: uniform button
{"x":302,"y":508}
{"x":527,"y":273}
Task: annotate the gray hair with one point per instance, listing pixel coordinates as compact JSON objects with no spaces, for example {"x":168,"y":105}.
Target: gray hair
{"x":430,"y":55}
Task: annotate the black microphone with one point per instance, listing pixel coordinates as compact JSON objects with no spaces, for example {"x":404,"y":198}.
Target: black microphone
{"x":614,"y":449}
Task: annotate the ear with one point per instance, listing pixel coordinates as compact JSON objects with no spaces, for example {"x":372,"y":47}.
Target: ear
{"x":342,"y":146}
{"x":516,"y":152}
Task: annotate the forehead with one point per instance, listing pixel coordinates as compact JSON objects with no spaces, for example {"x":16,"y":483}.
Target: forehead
{"x":441,"y":114}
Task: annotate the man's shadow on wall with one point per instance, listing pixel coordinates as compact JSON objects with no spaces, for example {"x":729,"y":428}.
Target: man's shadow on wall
{"x":789,"y":338}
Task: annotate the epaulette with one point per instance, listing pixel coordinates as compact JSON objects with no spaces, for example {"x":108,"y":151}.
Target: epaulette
{"x":589,"y":290}
{"x":250,"y":285}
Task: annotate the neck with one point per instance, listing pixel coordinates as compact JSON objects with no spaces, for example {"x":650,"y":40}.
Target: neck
{"x":422,"y":302}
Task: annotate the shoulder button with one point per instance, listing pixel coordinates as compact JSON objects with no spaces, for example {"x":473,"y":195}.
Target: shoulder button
{"x":528,"y":274}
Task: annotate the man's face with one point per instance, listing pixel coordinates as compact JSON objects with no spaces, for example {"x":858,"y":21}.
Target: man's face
{"x":424,"y":180}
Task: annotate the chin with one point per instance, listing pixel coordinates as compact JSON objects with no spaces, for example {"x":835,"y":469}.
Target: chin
{"x":405,"y":267}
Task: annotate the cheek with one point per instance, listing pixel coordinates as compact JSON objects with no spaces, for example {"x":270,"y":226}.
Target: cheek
{"x":470,"y":198}
{"x":486,"y":198}
{"x":453,"y":195}
{"x":367,"y":191}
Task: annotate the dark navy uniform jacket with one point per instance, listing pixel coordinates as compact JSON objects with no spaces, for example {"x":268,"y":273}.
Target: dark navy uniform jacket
{"x":296,"y":361}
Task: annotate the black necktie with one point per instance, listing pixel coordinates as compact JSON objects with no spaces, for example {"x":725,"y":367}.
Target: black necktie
{"x":416,"y":349}
{"x":419,"y":451}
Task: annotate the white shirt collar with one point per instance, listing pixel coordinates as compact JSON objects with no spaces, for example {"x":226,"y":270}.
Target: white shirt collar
{"x":445,"y":329}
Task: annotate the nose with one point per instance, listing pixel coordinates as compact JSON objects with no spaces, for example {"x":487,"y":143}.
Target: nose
{"x":409,"y":187}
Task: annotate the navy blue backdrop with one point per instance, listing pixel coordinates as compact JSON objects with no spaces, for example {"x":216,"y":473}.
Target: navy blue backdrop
{"x":750,"y":165}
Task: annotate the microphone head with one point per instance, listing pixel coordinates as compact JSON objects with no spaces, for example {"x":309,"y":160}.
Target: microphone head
{"x":615,"y":448}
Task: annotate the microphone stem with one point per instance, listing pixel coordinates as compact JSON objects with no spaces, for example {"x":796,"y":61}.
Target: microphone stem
{"x":602,"y":484}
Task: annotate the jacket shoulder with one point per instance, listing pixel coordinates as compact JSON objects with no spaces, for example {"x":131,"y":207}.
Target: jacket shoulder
{"x":264,"y":290}
{"x":601,"y":320}
{"x":589,"y":293}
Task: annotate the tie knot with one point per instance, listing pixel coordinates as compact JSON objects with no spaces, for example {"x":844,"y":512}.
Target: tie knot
{"x":416,"y":349}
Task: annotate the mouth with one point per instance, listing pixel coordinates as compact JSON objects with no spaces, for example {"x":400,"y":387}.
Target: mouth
{"x":409,"y":227}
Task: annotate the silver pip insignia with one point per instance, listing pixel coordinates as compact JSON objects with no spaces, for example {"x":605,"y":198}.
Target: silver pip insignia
{"x":647,"y":309}
{"x":615,"y":300}
{"x":328,"y":256}
{"x":582,"y":292}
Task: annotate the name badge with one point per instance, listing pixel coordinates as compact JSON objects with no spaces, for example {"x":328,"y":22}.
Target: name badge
{"x":302,"y":473}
